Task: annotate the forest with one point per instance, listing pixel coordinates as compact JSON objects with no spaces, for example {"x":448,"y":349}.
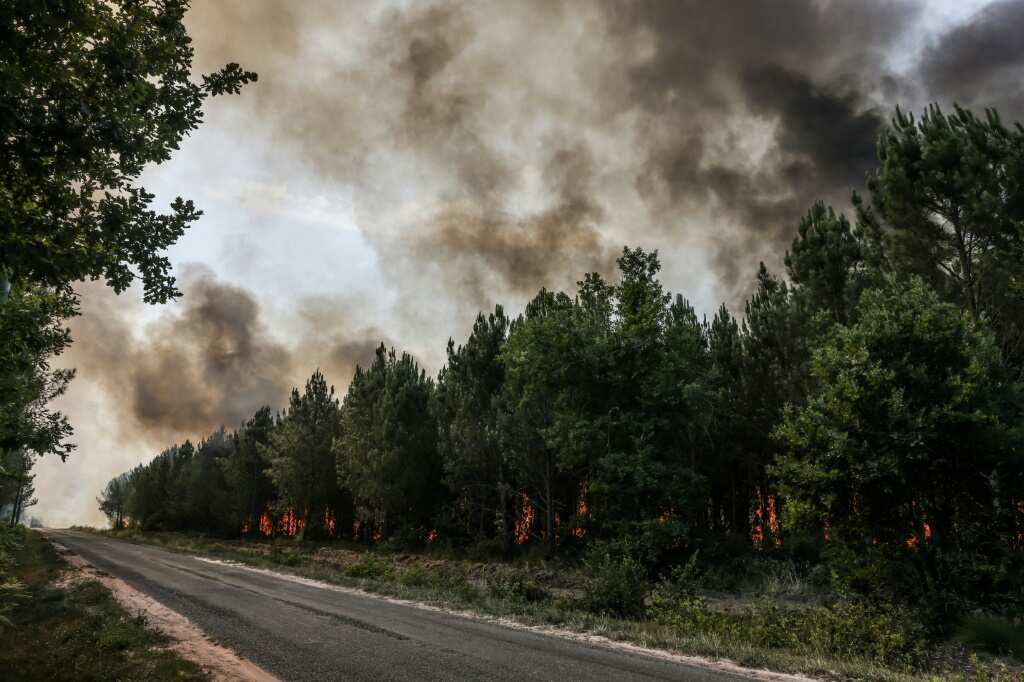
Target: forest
{"x":862,"y":414}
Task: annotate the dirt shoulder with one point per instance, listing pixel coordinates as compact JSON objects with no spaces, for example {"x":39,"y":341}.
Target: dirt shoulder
{"x":184,"y":637}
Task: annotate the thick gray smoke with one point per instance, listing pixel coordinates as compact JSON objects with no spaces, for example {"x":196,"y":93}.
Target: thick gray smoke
{"x":492,"y":148}
{"x":208,"y":361}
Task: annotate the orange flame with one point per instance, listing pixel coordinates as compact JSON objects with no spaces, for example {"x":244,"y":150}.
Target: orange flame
{"x":524,"y":521}
{"x":914,"y":540}
{"x":766,"y":511}
{"x":329,"y":521}
{"x":433,"y":535}
{"x":581,"y":512}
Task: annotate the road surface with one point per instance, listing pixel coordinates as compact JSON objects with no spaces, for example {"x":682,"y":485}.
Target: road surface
{"x":304,"y":632}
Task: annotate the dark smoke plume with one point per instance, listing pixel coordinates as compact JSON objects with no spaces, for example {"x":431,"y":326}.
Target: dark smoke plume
{"x":981,"y":63}
{"x":206,"y":362}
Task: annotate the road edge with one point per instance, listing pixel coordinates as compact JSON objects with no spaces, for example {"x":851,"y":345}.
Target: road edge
{"x":188,"y":640}
{"x":719,"y":665}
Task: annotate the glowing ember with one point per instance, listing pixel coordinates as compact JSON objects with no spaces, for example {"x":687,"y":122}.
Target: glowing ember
{"x":432,"y":535}
{"x":524,"y":521}
{"x":914,"y":540}
{"x":766,"y":512}
{"x":357,"y":525}
{"x":290,"y":524}
{"x":266,"y":525}
{"x":329,"y":521}
{"x":581,"y":512}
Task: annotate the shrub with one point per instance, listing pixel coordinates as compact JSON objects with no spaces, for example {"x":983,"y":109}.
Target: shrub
{"x":617,"y":586}
{"x":416,"y":576}
{"x":515,"y":587}
{"x":286,"y":556}
{"x":368,"y":566}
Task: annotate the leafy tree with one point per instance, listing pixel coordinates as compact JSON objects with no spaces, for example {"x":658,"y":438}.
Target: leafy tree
{"x":209,"y":502}
{"x":545,"y":420}
{"x":828,"y":263}
{"x":906,"y":429}
{"x":475,"y":466}
{"x":93,"y":92}
{"x":113,"y":500}
{"x":31,"y":324}
{"x":245,"y":470}
{"x":300,"y":455}
{"x":947,"y":202}
{"x":387,"y":451}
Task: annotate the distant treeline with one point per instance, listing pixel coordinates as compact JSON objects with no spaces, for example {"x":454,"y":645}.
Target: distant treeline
{"x":864,"y":409}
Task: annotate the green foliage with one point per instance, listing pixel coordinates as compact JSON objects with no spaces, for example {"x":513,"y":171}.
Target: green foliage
{"x":387,"y":448}
{"x":300,"y":455}
{"x":905,"y":419}
{"x":368,"y":566}
{"x":946,"y":205}
{"x":516,"y":587}
{"x":118,"y":96}
{"x":32,"y":326}
{"x":476,"y":468}
{"x":845,"y":629}
{"x":251,"y":490}
{"x":617,"y":585}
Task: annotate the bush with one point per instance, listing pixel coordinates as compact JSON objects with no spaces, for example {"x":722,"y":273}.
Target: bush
{"x":844,"y":629}
{"x":513,"y":586}
{"x":617,"y":586}
{"x":286,"y":556}
{"x":368,"y":566}
{"x":416,"y":576}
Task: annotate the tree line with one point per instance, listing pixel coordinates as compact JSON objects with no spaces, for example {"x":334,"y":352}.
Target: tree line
{"x":866,"y":404}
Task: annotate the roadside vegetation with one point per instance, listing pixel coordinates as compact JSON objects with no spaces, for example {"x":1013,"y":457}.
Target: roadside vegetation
{"x":767,"y":612}
{"x":77,"y":632}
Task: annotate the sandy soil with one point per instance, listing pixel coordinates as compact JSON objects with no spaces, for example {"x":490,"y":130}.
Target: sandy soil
{"x":188,"y":640}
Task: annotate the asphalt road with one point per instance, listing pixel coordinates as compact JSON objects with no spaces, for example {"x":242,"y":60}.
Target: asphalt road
{"x":305,"y":632}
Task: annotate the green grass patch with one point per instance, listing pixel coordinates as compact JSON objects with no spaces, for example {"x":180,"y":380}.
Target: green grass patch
{"x":80,"y":633}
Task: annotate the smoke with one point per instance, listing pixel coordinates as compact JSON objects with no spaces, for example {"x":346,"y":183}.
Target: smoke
{"x":483,"y":150}
{"x":452,"y":121}
{"x":978,"y":64}
{"x":206,"y":362}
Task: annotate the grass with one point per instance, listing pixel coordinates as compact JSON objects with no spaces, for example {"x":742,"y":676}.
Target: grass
{"x":561,"y":596}
{"x":80,"y":633}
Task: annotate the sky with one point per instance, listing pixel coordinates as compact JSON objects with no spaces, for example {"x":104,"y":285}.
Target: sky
{"x":400,"y":166}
